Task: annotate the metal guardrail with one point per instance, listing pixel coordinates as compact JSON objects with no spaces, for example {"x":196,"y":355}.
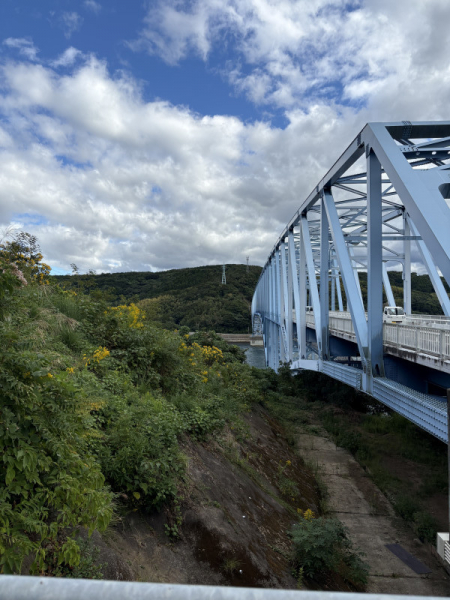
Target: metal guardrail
{"x":345,"y":374}
{"x":419,"y":338}
{"x":16,"y":587}
{"x":441,"y":319}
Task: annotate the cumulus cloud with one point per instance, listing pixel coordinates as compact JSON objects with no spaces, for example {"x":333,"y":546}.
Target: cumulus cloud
{"x":111,"y":181}
{"x":120,"y":183}
{"x":67,"y":58}
{"x":25,"y":47}
{"x":289,"y":51}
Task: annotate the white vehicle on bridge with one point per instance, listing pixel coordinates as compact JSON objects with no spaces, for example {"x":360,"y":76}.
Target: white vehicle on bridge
{"x":394,"y":315}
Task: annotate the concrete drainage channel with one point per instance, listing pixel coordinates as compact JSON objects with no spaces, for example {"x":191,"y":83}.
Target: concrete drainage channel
{"x":389,"y":545}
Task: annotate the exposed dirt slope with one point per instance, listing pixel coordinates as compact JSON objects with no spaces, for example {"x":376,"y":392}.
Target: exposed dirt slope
{"x":240,"y":500}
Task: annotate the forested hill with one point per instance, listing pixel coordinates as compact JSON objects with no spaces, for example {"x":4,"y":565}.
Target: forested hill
{"x":192,"y":297}
{"x":196,"y":298}
{"x":423,"y":296}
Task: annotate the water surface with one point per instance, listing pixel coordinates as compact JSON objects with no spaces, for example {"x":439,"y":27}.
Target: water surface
{"x":255,"y":355}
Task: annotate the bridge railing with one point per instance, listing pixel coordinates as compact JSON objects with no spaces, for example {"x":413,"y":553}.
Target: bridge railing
{"x":423,"y":319}
{"x":341,"y":322}
{"x":417,"y":338}
{"x":13,"y":587}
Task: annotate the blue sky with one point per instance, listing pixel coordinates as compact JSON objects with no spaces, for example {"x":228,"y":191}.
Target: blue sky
{"x":106,"y":30}
{"x":164,"y":134}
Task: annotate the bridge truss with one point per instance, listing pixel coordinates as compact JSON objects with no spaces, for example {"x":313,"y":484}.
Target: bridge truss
{"x":386,"y":192}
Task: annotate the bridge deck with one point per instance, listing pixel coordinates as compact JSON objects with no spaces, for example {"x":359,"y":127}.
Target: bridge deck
{"x":423,"y":340}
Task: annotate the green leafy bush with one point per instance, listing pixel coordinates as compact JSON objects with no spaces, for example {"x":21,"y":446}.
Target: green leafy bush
{"x":86,"y":567}
{"x":322,"y":545}
{"x":139,"y":450}
{"x":94,"y":401}
{"x":51,"y":481}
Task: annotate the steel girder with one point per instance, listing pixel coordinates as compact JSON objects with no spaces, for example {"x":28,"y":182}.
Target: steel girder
{"x":387,"y":192}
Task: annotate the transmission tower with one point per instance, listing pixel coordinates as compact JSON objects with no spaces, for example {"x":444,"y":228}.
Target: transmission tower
{"x":224,"y":278}
{"x":248,"y":258}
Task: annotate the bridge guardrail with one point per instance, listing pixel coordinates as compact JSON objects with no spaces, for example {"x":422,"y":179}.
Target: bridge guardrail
{"x":434,"y":341}
{"x":18,"y":587}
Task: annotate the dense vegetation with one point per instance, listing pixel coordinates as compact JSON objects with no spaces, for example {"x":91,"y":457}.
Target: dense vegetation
{"x":423,"y":297}
{"x":94,"y":402}
{"x":194,"y":298}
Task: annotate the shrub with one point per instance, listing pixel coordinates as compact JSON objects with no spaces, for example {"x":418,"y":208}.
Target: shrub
{"x":52,"y":482}
{"x":406,"y":506}
{"x":85,"y":569}
{"x":322,"y":545}
{"x":139,"y":449}
{"x":93,"y":397}
{"x":425,"y":526}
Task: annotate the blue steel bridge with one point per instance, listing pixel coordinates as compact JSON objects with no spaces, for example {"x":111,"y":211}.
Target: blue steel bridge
{"x":387,"y":192}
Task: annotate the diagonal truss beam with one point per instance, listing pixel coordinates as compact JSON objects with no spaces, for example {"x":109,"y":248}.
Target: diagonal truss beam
{"x":351,"y":290}
{"x":418,"y":189}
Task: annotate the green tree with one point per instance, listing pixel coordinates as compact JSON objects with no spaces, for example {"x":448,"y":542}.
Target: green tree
{"x":24,"y":252}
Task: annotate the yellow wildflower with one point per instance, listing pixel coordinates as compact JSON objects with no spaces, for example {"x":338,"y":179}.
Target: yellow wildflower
{"x":132,"y":314}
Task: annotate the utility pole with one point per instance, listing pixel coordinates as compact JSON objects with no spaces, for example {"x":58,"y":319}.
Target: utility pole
{"x":224,"y":278}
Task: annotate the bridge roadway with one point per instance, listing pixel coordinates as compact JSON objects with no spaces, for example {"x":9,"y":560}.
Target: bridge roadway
{"x":422,"y":339}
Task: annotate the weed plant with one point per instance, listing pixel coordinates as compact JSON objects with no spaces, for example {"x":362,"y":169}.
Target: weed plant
{"x":87,"y":568}
{"x":231,"y":565}
{"x":321,"y":545}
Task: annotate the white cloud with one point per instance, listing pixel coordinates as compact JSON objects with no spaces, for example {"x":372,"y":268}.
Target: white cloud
{"x":286,"y":52}
{"x":70,"y":22}
{"x":95,"y":7}
{"x":67,"y":58}
{"x":110,"y":181}
{"x":24,"y":45}
{"x":119,"y":181}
